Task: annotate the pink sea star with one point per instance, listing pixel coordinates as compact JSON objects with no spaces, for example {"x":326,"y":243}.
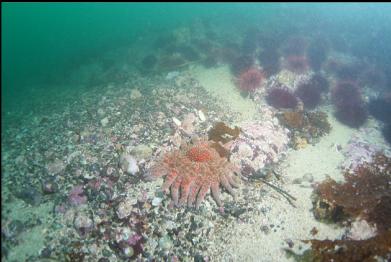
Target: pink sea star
{"x":194,"y":169}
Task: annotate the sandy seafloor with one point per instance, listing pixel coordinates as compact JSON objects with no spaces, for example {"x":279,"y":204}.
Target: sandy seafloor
{"x":270,"y":221}
{"x":246,"y":241}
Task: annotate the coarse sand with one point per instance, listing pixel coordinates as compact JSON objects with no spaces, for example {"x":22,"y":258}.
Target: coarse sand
{"x":219,"y":83}
{"x":246,"y":241}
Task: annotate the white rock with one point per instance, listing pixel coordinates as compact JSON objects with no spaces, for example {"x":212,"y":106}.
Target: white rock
{"x":361,"y":230}
{"x":135,"y":94}
{"x":156,"y":201}
{"x":82,"y":221}
{"x":201,"y":116}
{"x":128,"y":251}
{"x":124,"y":209}
{"x":104,"y":121}
{"x":128,"y":164}
{"x":177,"y":121}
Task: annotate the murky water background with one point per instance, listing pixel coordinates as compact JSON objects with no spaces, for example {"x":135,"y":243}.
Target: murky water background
{"x":95,"y":95}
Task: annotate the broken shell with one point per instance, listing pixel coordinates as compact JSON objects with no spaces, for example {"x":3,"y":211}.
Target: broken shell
{"x":177,"y":121}
{"x":201,"y":116}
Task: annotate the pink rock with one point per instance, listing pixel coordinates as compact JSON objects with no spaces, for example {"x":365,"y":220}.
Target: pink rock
{"x":76,"y":196}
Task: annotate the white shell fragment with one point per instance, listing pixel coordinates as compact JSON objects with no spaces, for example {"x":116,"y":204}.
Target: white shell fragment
{"x":177,"y":121}
{"x":104,"y":121}
{"x":128,"y":164}
{"x":201,"y":116}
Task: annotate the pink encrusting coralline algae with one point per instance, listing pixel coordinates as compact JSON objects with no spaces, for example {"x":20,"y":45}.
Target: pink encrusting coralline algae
{"x":360,"y":150}
{"x":76,"y":196}
{"x":259,"y":143}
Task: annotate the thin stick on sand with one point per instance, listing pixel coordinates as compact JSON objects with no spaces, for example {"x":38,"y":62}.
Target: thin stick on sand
{"x":285,"y":194}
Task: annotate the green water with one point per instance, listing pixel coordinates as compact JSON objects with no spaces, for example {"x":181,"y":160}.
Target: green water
{"x":61,"y":62}
{"x":43,"y":43}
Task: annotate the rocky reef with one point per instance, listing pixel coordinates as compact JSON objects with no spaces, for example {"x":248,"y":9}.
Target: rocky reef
{"x":306,"y":127}
{"x":260,"y":143}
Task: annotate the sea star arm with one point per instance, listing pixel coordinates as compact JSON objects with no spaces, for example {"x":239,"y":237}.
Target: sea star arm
{"x":175,"y":190}
{"x":185,"y":190}
{"x":169,"y":180}
{"x":216,"y":193}
{"x":226,"y":184}
{"x":201,"y":195}
{"x":193,"y":193}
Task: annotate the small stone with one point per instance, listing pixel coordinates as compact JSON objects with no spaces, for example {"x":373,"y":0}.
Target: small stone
{"x":128,"y":251}
{"x":135,"y":94}
{"x":125,"y":208}
{"x":176,"y":121}
{"x":46,"y":252}
{"x":83,"y":223}
{"x":104,"y":121}
{"x":201,"y":116}
{"x":13,"y":229}
{"x":156,"y":201}
{"x":308,"y":177}
{"x":165,"y":243}
{"x":49,"y":187}
{"x":106,"y":253}
{"x":142,"y":151}
{"x":265,"y":229}
{"x":128,"y":164}
{"x":198,"y":258}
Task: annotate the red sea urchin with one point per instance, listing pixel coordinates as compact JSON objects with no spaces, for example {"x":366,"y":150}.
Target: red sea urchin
{"x":309,"y":94}
{"x":250,"y":80}
{"x":194,"y":169}
{"x":281,"y":97}
{"x":346,"y":93}
{"x":350,"y":108}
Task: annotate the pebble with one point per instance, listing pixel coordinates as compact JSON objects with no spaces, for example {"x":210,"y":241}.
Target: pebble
{"x":165,"y":242}
{"x":128,"y":251}
{"x":265,"y":229}
{"x":124,"y":208}
{"x":201,"y":116}
{"x":13,"y":229}
{"x":46,"y":252}
{"x":135,"y":94}
{"x":83,"y":222}
{"x":156,"y":201}
{"x":104,"y":121}
{"x":128,"y":164}
{"x":308,"y":177}
{"x":177,"y":122}
{"x":49,"y":187}
{"x":142,"y":151}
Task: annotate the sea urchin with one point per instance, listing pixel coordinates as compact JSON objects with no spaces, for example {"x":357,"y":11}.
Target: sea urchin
{"x":250,"y":80}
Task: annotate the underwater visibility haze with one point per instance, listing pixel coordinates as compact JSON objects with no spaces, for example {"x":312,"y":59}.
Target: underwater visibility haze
{"x":196,"y":132}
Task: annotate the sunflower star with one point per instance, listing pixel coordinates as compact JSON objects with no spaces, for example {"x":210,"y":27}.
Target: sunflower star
{"x":192,"y":170}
